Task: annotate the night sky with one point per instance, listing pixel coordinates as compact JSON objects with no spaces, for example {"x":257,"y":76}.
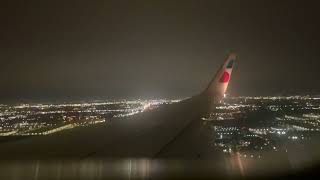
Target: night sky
{"x":57,"y":50}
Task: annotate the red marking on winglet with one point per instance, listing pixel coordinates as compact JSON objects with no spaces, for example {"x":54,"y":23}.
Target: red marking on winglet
{"x":225,"y":77}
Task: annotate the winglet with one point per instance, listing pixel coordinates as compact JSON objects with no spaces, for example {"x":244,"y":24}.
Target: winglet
{"x":218,"y":85}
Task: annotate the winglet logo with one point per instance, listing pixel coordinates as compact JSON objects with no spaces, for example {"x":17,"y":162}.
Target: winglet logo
{"x":230,"y":64}
{"x":225,"y":77}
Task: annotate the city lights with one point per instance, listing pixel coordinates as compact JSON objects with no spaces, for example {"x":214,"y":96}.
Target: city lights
{"x":44,"y":119}
{"x":258,"y":124}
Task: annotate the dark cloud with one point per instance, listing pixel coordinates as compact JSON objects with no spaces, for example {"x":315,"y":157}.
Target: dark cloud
{"x":120,"y":49}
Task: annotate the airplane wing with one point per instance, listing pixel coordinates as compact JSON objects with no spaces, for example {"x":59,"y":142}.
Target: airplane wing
{"x":170,"y":131}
